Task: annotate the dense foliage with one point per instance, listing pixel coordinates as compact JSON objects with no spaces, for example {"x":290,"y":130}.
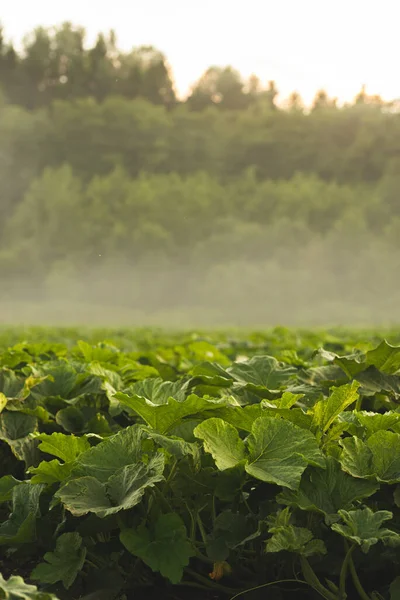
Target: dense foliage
{"x":199,"y":464}
{"x":95,"y":145}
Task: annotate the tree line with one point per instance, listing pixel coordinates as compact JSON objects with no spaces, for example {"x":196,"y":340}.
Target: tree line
{"x":101,"y":164}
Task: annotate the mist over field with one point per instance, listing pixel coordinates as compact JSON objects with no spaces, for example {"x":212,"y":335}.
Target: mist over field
{"x":122,"y":204}
{"x":317,"y":285}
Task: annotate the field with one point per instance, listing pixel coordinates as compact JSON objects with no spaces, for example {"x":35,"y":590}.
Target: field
{"x":152,"y":464}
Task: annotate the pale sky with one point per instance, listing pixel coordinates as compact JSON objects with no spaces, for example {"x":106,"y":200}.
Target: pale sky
{"x":303,"y":45}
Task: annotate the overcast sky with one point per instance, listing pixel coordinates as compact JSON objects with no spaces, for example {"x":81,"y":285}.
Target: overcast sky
{"x":303,"y":45}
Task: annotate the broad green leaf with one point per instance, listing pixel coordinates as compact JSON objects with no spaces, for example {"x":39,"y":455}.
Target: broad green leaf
{"x":364,"y":527}
{"x":20,"y":528}
{"x":240,"y":417}
{"x":50,"y":472}
{"x":64,"y":564}
{"x":157,"y":390}
{"x":374,"y":422}
{"x":378,"y":457}
{"x":71,"y":419}
{"x":294,"y":415}
{"x":222,"y":441}
{"x":66,"y":447}
{"x":16,"y":425}
{"x":326,"y":411}
{"x":374,"y":382}
{"x":101,"y":352}
{"x":166,"y":416}
{"x":122,"y":491}
{"x":176,"y":446}
{"x":26,"y":449}
{"x":230,"y":531}
{"x":279,"y":452}
{"x":104,"y":460}
{"x":15,"y":588}
{"x":328,"y":490}
{"x":294,"y":539}
{"x":164,"y":547}
{"x":7,"y":484}
{"x":385,"y":358}
{"x":262,"y":371}
{"x":62,"y":380}
{"x":213,"y":373}
{"x":288,"y":400}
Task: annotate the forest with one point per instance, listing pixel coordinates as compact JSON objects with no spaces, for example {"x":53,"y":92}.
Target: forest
{"x":108,"y":178}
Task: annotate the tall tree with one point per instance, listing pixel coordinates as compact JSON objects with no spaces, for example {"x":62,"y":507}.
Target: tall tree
{"x":36,"y":67}
{"x":322,"y":101}
{"x":218,"y":86}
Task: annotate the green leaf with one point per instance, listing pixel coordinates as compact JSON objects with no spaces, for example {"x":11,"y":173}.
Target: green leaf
{"x":16,"y":589}
{"x":279,"y":452}
{"x":230,"y":531}
{"x":25,"y":449}
{"x":294,"y":539}
{"x":122,"y":491}
{"x":7,"y":484}
{"x":166,"y":416}
{"x":289,"y":399}
{"x":294,"y":415}
{"x":385,"y":358}
{"x":364,"y":527}
{"x":378,"y":457}
{"x":20,"y":528}
{"x":50,"y":472}
{"x":164,"y":547}
{"x":60,"y":383}
{"x":327,"y":410}
{"x":240,"y":417}
{"x":222,"y":441}
{"x":71,"y":419}
{"x":262,"y":372}
{"x":157,"y":390}
{"x":66,"y":447}
{"x":212,"y":373}
{"x":101,"y":352}
{"x":104,"y":460}
{"x":176,"y":446}
{"x":64,"y":564}
{"x":16,"y":425}
{"x":328,"y":490}
{"x":374,"y":422}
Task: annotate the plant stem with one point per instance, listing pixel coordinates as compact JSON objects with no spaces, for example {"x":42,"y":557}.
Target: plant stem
{"x":357,"y":583}
{"x":201,"y":528}
{"x":313,"y":580}
{"x":343,"y":571}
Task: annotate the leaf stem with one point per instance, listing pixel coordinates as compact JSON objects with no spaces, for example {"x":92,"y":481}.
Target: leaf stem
{"x":313,"y":580}
{"x":357,"y":583}
{"x":343,"y":571}
{"x":201,"y":528}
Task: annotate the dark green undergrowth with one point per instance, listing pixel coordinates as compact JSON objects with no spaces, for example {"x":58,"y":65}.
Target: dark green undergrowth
{"x":147,"y":463}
